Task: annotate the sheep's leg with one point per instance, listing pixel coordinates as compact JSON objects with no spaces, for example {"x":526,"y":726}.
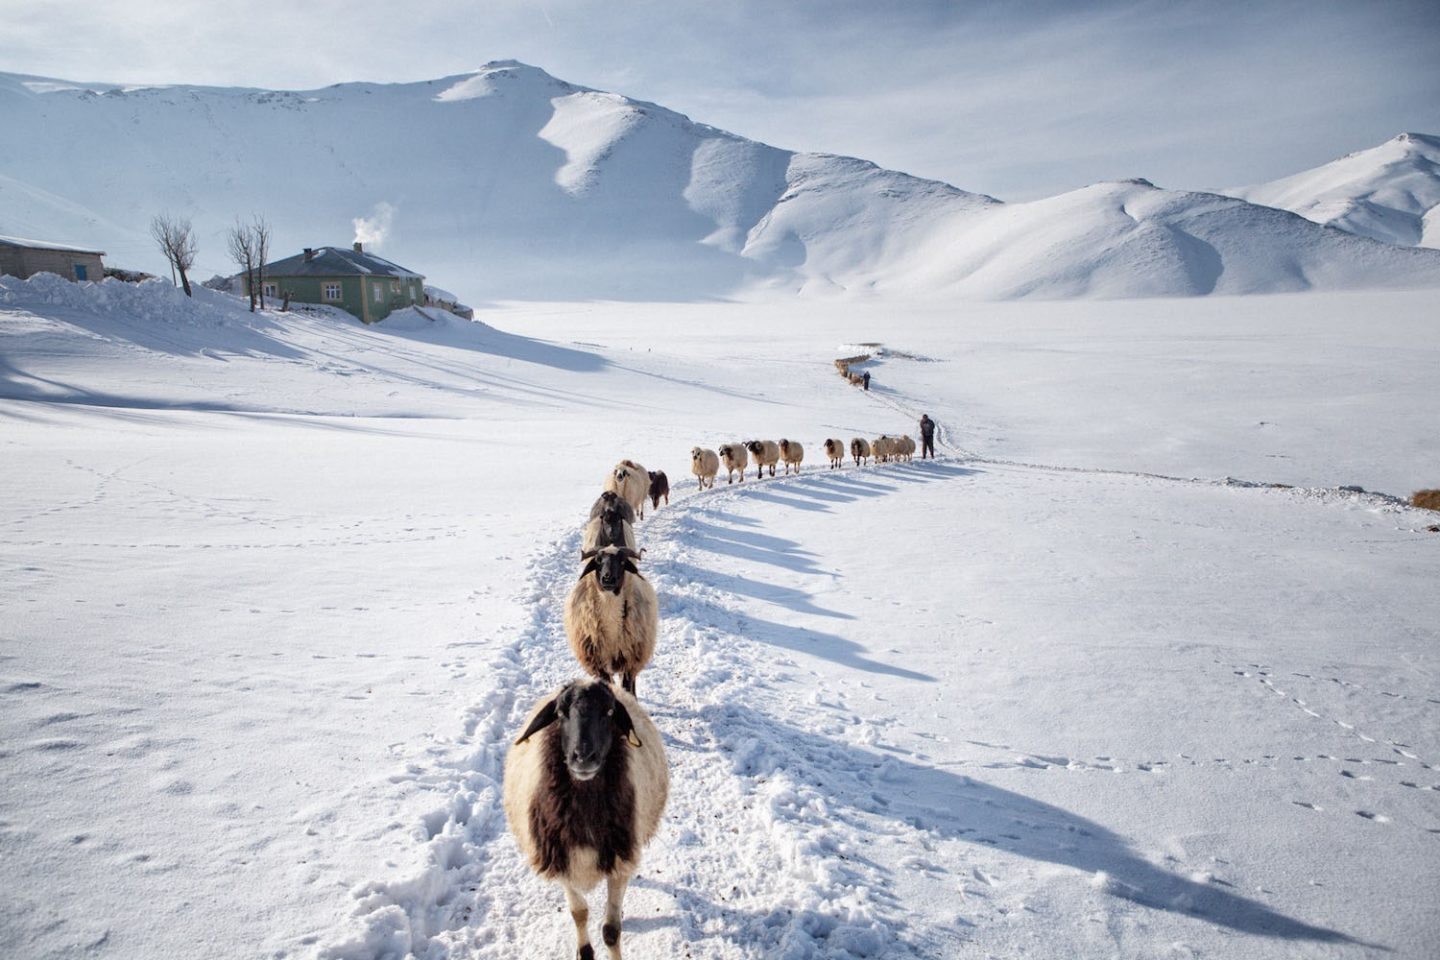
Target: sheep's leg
{"x":627,"y":682}
{"x":580,"y":913}
{"x":614,"y":910}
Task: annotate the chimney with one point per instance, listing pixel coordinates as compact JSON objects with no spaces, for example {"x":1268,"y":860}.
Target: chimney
{"x":358,"y":247}
{"x":309,"y":254}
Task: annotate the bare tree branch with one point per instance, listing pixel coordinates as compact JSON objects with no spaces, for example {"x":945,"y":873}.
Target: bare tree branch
{"x":176,"y":239}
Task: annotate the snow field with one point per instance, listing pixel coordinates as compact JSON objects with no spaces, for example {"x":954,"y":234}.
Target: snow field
{"x":279,"y":592}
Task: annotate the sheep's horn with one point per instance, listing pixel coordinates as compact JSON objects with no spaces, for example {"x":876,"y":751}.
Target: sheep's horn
{"x":587,"y":554}
{"x":633,"y":740}
{"x":631,"y":553}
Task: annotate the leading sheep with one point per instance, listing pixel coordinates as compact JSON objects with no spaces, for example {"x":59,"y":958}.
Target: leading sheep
{"x":704,"y":464}
{"x":585,"y":787}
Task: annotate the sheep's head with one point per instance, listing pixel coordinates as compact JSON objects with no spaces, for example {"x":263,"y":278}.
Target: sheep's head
{"x":592,"y":722}
{"x":610,"y":566}
{"x":621,"y":475}
{"x":694,"y":454}
{"x":755,"y":446}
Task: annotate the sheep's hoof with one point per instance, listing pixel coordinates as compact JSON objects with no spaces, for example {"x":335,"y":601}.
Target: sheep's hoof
{"x":586,"y":952}
{"x":611,"y":932}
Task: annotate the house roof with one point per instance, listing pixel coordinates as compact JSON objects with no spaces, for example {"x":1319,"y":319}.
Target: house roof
{"x":46,"y":245}
{"x":337,"y":262}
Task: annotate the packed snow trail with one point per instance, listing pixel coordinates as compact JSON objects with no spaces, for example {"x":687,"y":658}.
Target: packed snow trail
{"x":766,"y":849}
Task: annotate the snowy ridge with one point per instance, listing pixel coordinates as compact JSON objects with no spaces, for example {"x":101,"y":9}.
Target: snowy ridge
{"x":508,"y":183}
{"x":1389,"y":193}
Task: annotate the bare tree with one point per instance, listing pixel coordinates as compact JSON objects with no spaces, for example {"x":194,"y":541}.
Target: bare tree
{"x":176,"y":239}
{"x":249,"y":246}
{"x":261,"y":231}
{"x":240,"y":241}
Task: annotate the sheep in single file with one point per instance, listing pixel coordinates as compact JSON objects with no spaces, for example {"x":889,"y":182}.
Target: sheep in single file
{"x":835,"y":452}
{"x":882,"y":447}
{"x":704,"y":464}
{"x":766,"y":454}
{"x":585,"y":787}
{"x":659,"y":487}
{"x":632,"y":482}
{"x":612,"y":615}
{"x":792,"y":453}
{"x":860,"y":450}
{"x":610,"y":524}
{"x":735,"y":458}
{"x":904,"y":448}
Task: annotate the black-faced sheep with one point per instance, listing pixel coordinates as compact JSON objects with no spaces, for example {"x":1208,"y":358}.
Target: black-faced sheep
{"x":632,"y":482}
{"x":860,"y":450}
{"x":792,"y":453}
{"x":585,"y":787}
{"x":766,"y":454}
{"x":659,"y":487}
{"x":735,"y":459}
{"x":835,"y":452}
{"x":612,"y":615}
{"x":704,"y":464}
{"x":610,"y":524}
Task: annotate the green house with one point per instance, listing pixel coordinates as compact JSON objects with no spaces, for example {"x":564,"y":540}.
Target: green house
{"x":360,"y":283}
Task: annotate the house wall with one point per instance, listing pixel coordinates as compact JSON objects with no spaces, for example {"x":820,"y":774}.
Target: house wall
{"x":22,"y":262}
{"x":356,"y":296}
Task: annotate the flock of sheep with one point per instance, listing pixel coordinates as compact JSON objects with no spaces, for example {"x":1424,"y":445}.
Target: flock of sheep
{"x":587,"y":782}
{"x":705,"y":464}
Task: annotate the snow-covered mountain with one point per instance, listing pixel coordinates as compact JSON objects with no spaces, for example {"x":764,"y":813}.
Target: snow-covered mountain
{"x":1390,"y":192}
{"x":510,"y":183}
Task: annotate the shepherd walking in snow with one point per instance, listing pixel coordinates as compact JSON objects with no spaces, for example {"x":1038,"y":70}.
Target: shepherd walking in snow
{"x":927,"y":437}
{"x":865,"y":380}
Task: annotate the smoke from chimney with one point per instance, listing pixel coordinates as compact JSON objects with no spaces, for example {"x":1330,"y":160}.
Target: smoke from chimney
{"x":371,"y":231}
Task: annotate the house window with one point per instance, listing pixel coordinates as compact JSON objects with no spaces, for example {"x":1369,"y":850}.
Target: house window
{"x":332,"y":291}
{"x":268,"y":289}
{"x":378,"y":291}
{"x":81,"y":273}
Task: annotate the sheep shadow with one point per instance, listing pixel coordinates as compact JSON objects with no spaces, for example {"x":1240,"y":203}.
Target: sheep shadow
{"x":826,"y":646}
{"x":797,"y":600}
{"x":863,"y":783}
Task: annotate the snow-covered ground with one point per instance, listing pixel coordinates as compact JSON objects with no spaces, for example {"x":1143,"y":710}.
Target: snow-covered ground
{"x":278,"y":589}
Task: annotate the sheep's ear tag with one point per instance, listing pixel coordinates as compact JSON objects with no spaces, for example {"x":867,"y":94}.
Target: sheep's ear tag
{"x":633,"y":740}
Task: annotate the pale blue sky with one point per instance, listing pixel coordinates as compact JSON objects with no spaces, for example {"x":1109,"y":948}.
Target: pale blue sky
{"x":1015,"y":99}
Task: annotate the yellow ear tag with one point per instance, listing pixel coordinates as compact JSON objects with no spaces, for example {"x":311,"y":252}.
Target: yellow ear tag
{"x":633,"y":740}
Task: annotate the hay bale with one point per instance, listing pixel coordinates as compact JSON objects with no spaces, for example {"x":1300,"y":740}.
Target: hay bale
{"x":1426,"y":499}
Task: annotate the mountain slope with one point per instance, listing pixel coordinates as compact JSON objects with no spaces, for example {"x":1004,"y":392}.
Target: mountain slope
{"x":1389,"y":193}
{"x":510,"y":183}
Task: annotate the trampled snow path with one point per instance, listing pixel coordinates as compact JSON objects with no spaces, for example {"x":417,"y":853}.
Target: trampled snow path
{"x":779,"y":808}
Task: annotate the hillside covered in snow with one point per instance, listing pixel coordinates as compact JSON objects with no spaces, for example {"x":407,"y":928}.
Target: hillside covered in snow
{"x":508,"y":183}
{"x":1390,"y":192}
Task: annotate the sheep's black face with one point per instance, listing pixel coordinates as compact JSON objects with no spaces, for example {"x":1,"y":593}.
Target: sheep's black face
{"x":754,"y":446}
{"x":611,"y":570}
{"x":591,"y":721}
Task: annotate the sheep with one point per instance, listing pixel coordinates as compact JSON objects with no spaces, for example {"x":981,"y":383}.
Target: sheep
{"x":610,"y":524}
{"x":704,"y":464}
{"x":792,"y":453}
{"x":659,"y":487}
{"x":735,"y":459}
{"x":835,"y":452}
{"x":585,"y":788}
{"x":766,"y":454}
{"x":860,"y":450}
{"x":632,"y":482}
{"x":882,"y":448}
{"x":612,"y":615}
{"x":905,"y":448}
